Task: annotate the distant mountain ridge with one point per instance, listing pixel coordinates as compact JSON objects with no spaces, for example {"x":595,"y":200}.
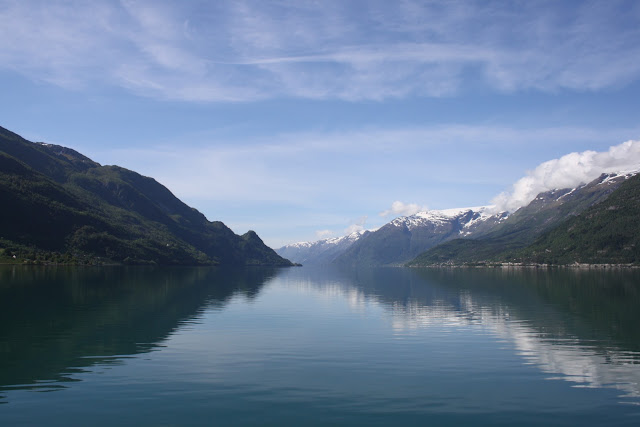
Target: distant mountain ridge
{"x":321,"y":252}
{"x":396,"y":242}
{"x":61,"y":206}
{"x":464,"y":235}
{"x":404,"y":238}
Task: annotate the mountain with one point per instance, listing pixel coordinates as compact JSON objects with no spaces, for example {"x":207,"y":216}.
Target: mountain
{"x":466,"y":235}
{"x":404,"y":238}
{"x":606,"y":233}
{"x":547,"y":211}
{"x":61,"y":206}
{"x":322,"y":252}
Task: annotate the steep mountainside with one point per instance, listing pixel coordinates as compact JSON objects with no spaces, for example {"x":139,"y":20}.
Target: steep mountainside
{"x":403,"y":238}
{"x":545,"y":212}
{"x":606,"y":233}
{"x":322,"y":252}
{"x":59,"y":205}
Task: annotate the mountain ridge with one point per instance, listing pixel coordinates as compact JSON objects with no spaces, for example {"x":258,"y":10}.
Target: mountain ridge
{"x":396,"y":242}
{"x":402,"y":239}
{"x":469,"y":234}
{"x":320,"y":252}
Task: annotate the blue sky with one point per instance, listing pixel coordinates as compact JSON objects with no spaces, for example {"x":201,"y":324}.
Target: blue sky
{"x":305,"y":119}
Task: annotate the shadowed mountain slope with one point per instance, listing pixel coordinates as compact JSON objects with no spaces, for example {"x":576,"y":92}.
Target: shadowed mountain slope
{"x":61,"y":206}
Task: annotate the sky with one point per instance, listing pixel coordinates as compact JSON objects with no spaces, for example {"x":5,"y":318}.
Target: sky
{"x":309,"y":119}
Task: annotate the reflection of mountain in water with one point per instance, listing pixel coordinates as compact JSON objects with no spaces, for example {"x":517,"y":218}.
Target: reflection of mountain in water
{"x":54,"y":321}
{"x":580,"y":325}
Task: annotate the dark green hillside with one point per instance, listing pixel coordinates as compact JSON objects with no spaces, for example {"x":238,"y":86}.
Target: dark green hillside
{"x":58,"y":205}
{"x":551,"y":208}
{"x":53,"y":161}
{"x":607,"y":233}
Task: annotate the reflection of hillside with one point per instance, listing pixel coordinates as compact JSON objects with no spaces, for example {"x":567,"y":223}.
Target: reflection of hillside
{"x":55,"y":320}
{"x":577,"y":324}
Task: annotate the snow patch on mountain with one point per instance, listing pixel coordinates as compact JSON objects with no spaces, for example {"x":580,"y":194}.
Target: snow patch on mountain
{"x":352,"y":237}
{"x":468,"y":217}
{"x":321,"y":251}
{"x":619,"y":175}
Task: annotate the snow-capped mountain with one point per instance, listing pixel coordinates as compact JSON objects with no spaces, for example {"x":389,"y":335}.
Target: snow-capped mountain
{"x":466,"y":220}
{"x":320,"y":252}
{"x":405,"y":237}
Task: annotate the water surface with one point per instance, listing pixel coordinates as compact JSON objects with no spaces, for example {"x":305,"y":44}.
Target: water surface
{"x":202,"y":346}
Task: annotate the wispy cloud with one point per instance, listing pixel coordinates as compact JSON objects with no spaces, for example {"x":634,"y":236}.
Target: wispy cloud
{"x":285,"y":167}
{"x":244,"y":50}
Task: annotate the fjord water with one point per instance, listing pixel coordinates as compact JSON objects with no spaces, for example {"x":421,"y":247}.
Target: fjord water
{"x":203,"y":346}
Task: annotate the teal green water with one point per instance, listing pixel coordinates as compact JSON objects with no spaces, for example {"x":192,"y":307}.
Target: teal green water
{"x":302,"y":346}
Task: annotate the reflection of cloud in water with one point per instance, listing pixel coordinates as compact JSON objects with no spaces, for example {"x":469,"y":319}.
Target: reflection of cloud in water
{"x":356,"y":299}
{"x":565,"y":358}
{"x":579,"y":363}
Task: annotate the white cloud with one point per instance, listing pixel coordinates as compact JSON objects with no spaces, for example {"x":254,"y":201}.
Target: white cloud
{"x":358,"y":225}
{"x":403,"y":209}
{"x":323,"y":234}
{"x":241,"y":51}
{"x":570,"y":171}
{"x":292,"y":169}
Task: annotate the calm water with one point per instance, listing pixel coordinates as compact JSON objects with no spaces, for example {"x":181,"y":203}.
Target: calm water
{"x":203,"y":346}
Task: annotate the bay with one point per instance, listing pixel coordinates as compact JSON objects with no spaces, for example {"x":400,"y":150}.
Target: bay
{"x":203,"y":346}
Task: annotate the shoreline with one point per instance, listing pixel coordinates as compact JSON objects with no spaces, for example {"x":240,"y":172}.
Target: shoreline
{"x":575,"y":266}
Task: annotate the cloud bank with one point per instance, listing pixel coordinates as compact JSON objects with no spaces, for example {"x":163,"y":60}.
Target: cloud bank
{"x":569,"y":171}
